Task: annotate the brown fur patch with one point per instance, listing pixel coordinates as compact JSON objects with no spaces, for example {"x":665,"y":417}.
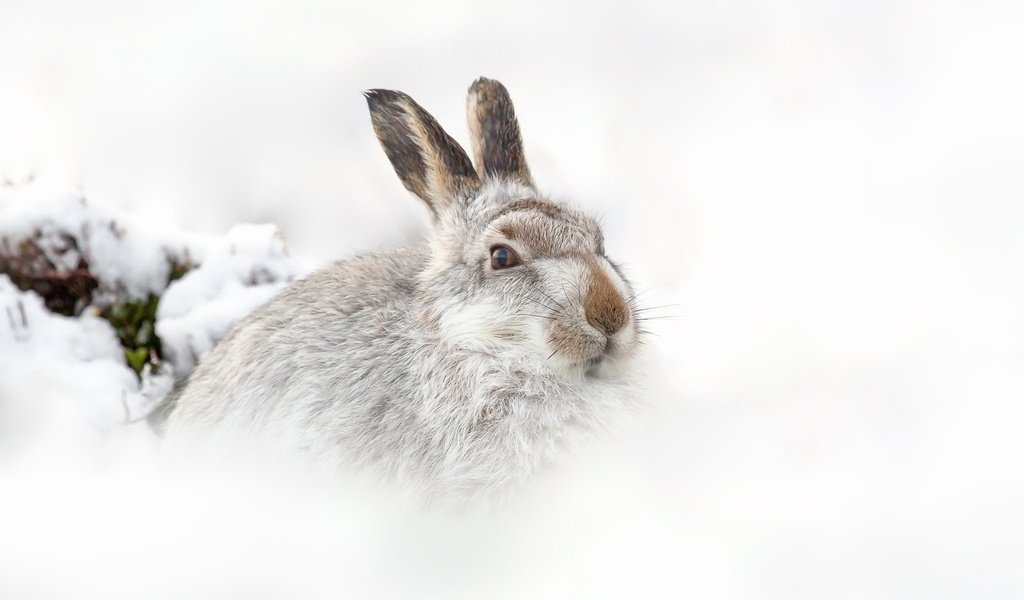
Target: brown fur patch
{"x":508,"y":231}
{"x":605,"y":307}
{"x":544,"y":228}
{"x":546,"y":208}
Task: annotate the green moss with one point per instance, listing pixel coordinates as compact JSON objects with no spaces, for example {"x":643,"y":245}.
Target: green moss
{"x":136,"y":358}
{"x":134,"y":323}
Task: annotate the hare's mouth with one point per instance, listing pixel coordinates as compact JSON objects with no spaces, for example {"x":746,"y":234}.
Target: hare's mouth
{"x":591,"y":366}
{"x":580,"y":350}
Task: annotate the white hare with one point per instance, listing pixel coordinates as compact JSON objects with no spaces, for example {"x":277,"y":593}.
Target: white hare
{"x":453,"y":368}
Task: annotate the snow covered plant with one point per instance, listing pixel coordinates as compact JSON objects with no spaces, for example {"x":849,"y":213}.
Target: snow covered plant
{"x":454,"y":368}
{"x":101,"y":313}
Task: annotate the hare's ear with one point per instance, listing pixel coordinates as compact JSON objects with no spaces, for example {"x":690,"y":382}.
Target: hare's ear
{"x":494,"y":133}
{"x":428,"y":161}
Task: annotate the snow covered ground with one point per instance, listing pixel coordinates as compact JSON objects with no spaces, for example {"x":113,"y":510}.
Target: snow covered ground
{"x":832,"y":192}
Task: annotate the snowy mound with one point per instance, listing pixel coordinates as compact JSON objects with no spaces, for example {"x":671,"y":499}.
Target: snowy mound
{"x":104,"y":313}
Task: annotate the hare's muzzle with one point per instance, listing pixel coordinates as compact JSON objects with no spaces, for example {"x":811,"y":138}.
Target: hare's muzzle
{"x":605,"y":306}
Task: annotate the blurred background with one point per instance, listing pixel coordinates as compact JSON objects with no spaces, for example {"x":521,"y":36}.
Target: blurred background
{"x":830,"y":193}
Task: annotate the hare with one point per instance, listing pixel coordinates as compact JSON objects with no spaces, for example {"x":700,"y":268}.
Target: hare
{"x":454,"y":368}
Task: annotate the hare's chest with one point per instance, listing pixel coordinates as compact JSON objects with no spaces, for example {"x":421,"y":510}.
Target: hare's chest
{"x":493,"y":407}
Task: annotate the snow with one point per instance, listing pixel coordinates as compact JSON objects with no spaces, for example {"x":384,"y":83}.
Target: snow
{"x":239,"y":271}
{"x":123,"y":256}
{"x":58,"y":369}
{"x":829,"y":191}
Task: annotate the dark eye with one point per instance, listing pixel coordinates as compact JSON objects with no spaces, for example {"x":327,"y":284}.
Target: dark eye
{"x":503,"y":257}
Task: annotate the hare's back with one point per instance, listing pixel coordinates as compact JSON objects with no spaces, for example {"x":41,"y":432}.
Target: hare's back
{"x":310,"y":338}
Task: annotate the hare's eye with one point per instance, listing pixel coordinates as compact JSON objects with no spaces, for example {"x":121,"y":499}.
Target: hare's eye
{"x":503,"y":257}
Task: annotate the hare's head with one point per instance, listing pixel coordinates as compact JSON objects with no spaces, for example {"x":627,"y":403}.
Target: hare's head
{"x":509,"y":269}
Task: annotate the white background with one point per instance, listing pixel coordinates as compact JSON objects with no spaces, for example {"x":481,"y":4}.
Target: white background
{"x":832,"y":193}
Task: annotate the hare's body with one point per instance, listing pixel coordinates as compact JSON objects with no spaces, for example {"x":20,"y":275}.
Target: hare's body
{"x":454,"y":368}
{"x":434,"y":416}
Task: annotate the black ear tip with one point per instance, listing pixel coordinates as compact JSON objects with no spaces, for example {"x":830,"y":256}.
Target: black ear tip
{"x":376,"y":98}
{"x":483,"y":85}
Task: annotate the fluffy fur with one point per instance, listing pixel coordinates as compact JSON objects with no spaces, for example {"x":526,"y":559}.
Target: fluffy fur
{"x":426,"y":365}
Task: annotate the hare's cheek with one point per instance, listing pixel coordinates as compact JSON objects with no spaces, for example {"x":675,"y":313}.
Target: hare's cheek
{"x":480,"y":324}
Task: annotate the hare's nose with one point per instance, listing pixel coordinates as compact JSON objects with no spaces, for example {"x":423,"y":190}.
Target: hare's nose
{"x":605,"y":307}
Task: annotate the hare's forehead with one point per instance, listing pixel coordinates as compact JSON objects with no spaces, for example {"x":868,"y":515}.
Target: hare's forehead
{"x":546,"y":228}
